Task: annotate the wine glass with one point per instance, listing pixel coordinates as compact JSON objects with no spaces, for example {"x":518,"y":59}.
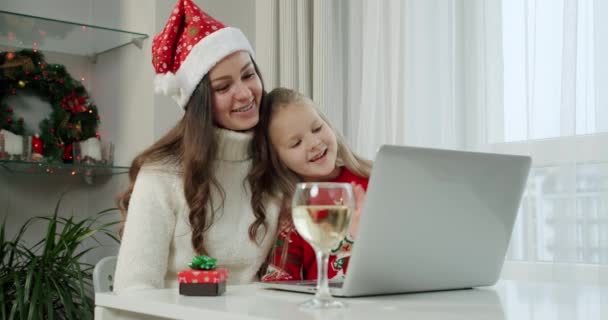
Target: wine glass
{"x":321,"y":213}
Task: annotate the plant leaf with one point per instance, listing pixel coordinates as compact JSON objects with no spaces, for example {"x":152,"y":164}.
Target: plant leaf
{"x":50,"y":279}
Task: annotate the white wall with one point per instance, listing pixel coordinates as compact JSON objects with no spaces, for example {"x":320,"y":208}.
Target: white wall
{"x":235,"y":13}
{"x":121,"y":86}
{"x":123,"y":78}
{"x":69,"y":10}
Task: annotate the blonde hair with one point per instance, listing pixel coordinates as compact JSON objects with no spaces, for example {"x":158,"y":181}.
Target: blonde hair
{"x":270,"y":178}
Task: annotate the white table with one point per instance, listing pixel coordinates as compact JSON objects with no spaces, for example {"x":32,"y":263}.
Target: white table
{"x":507,"y":300}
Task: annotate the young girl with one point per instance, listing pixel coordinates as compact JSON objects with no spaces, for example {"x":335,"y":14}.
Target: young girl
{"x":188,"y":193}
{"x":296,"y":143}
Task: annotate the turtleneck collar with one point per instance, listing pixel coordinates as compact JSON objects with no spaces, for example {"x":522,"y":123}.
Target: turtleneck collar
{"x":233,"y":145}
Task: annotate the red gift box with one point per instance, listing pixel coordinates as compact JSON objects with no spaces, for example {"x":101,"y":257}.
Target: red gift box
{"x":203,"y":276}
{"x":194,"y":282}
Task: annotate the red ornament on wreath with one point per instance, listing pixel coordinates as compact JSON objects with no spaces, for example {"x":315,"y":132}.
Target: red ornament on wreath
{"x":68,"y":156}
{"x":74,"y":103}
{"x":37,"y":148}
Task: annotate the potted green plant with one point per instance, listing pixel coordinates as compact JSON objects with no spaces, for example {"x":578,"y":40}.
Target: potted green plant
{"x":48,"y":279}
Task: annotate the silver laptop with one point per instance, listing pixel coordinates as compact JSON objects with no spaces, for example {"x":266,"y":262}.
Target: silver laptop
{"x":432,"y":220}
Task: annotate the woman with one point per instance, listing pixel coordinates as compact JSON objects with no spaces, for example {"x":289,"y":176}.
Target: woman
{"x":188,"y":192}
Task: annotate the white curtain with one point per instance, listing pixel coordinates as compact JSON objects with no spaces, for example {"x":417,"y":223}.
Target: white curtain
{"x":411,"y":72}
{"x":410,"y":88}
{"x":513,"y":76}
{"x":284,"y":33}
{"x":294,"y":50}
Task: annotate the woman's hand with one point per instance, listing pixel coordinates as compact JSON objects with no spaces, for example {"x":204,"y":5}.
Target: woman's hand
{"x":359,"y":193}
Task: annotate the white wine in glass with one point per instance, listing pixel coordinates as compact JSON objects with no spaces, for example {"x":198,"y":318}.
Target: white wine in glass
{"x":321,"y":213}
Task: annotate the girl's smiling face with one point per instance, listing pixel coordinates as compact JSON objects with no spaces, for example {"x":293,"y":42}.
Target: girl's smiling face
{"x":303,"y":141}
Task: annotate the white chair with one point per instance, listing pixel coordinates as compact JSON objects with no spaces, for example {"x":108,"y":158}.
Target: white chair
{"x":103,"y":274}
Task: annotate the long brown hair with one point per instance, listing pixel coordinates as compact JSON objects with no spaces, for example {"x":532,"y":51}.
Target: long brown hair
{"x":191,"y":146}
{"x":270,"y":178}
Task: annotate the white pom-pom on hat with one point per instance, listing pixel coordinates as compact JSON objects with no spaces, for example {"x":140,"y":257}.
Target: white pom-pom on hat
{"x":166,"y":84}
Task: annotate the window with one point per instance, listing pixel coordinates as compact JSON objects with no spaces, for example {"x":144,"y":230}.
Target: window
{"x":555,"y":56}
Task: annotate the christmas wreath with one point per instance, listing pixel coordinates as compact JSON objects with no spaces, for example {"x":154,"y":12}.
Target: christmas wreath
{"x":73,"y":116}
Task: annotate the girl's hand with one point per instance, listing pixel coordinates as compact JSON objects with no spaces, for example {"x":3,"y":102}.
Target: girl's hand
{"x":359,"y":193}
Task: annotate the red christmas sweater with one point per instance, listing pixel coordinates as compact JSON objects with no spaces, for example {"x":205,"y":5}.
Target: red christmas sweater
{"x":301,"y":261}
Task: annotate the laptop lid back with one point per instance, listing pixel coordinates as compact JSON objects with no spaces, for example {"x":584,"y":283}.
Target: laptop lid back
{"x":435,"y":220}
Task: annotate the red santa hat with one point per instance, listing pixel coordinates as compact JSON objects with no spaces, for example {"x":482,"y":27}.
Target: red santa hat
{"x":191,"y":43}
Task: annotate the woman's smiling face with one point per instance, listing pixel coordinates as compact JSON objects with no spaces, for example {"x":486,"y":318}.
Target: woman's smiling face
{"x":237,"y":92}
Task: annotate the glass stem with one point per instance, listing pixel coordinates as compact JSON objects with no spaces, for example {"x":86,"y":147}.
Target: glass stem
{"x":322,"y":281}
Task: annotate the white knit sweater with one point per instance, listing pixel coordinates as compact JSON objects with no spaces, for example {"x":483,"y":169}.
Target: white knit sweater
{"x":156,"y":243}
